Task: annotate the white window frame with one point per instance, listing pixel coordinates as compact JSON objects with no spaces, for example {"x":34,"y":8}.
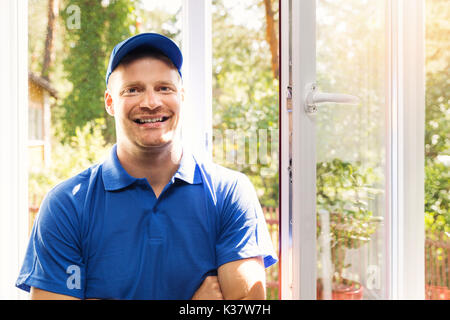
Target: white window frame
{"x":14,"y":142}
{"x":405,"y":157}
{"x":406,"y":94}
{"x":197,"y":75}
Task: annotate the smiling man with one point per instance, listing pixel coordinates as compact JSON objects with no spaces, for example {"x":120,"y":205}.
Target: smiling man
{"x":154,"y":221}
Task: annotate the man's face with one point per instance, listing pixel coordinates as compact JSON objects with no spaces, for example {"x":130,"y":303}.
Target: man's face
{"x":144,"y":97}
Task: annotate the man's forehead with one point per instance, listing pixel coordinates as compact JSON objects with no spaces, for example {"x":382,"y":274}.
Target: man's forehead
{"x":135,"y":72}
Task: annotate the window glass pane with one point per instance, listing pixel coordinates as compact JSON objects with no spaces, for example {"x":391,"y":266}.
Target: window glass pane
{"x":437,"y":151}
{"x":245,"y":101}
{"x":351,"y":150}
{"x":35,"y":123}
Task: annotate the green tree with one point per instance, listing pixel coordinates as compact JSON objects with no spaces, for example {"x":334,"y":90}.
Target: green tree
{"x":245,"y":92}
{"x":102,"y":25}
{"x":160,"y":21}
{"x":437,"y":117}
{"x":37,"y":24}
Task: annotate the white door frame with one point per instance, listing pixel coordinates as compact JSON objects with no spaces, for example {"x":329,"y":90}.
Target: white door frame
{"x":14,"y":142}
{"x":298,"y":215}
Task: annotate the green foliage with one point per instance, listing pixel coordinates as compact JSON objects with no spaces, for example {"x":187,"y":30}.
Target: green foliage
{"x":84,"y":149}
{"x":160,"y":21}
{"x":102,"y":26}
{"x":344,"y":191}
{"x":37,"y":24}
{"x":437,"y":130}
{"x":245,"y":94}
{"x":437,"y":196}
{"x":437,"y":122}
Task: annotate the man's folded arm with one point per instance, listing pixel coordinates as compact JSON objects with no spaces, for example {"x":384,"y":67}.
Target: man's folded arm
{"x":39,"y":294}
{"x":243,"y":279}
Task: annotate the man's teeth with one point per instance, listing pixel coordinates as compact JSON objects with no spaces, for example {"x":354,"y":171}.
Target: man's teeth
{"x":150,"y":120}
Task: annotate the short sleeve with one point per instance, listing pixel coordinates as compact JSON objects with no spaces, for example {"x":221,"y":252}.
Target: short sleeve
{"x":243,"y":233}
{"x":53,"y":260}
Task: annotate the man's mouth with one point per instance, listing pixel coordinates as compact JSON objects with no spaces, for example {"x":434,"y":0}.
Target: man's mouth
{"x":152,"y":120}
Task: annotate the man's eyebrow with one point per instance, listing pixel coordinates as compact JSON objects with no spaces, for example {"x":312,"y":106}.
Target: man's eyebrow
{"x":132,"y":83}
{"x":166,"y":82}
{"x":169,"y":83}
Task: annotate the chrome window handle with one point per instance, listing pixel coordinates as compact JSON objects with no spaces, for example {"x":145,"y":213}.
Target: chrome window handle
{"x":313,"y":98}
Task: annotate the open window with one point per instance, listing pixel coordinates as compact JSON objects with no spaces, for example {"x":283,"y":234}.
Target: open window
{"x":352,"y":117}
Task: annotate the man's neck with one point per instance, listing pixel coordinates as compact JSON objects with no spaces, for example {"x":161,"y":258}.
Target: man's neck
{"x":157,"y":165}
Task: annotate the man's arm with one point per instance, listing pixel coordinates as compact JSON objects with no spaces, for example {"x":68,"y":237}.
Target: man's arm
{"x":38,"y":294}
{"x":243,"y":279}
{"x":208,"y":290}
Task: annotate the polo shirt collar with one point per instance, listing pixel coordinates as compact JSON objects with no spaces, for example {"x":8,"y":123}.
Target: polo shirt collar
{"x":188,"y":171}
{"x":115,"y":177}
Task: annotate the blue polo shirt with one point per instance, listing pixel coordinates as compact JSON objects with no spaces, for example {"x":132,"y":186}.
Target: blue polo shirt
{"x":104,"y":234}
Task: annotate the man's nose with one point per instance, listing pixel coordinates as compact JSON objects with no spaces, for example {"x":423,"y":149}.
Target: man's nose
{"x":151,"y":100}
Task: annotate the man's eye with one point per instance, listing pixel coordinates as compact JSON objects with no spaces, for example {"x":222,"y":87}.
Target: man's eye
{"x":131,"y":90}
{"x":165,"y":89}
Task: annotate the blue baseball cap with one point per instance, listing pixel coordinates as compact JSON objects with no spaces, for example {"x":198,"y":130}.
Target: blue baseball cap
{"x":153,"y":41}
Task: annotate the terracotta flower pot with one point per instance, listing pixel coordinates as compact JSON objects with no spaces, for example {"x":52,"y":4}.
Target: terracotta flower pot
{"x":347,"y":290}
{"x":436,"y":293}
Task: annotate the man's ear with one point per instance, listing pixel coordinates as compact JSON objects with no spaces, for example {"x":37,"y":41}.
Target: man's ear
{"x":109,"y":105}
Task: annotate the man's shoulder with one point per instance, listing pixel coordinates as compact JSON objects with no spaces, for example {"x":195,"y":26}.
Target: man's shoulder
{"x":226,"y":184}
{"x":219,"y":173}
{"x":65,"y":201}
{"x":77,"y":185}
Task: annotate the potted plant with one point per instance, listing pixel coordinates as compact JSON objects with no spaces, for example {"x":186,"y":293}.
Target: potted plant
{"x":343,"y":192}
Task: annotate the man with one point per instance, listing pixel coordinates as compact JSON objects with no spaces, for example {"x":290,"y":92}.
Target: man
{"x":153,"y":221}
